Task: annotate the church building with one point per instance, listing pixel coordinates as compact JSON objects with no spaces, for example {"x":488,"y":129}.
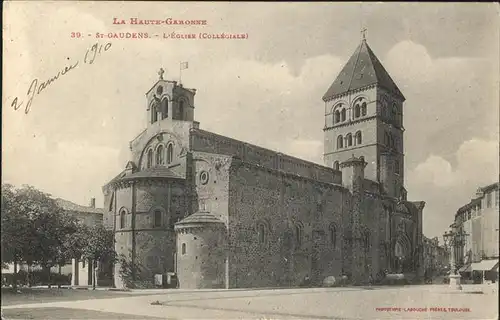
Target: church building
{"x":223,"y":213}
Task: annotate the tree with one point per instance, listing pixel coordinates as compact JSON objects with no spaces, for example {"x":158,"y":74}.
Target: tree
{"x":99,"y":247}
{"x":15,"y":234}
{"x":48,"y":228}
{"x":35,"y":229}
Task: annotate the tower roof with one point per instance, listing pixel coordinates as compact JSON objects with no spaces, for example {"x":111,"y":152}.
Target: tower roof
{"x":199,"y":218}
{"x":363,"y":69}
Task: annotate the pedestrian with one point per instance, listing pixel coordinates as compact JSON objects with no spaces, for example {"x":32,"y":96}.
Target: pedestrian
{"x":370,"y":280}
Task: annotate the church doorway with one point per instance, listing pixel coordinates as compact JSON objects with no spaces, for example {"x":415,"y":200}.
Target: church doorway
{"x":402,"y":254}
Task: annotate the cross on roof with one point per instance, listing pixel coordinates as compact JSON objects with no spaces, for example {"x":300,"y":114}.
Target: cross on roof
{"x":363,"y":32}
{"x":160,"y":73}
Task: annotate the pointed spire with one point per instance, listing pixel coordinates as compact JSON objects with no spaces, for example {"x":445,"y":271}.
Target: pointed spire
{"x":363,"y":69}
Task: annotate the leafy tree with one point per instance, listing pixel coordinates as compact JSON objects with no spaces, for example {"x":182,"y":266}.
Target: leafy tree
{"x":48,"y":228}
{"x":15,"y":231}
{"x":35,"y":230}
{"x":99,"y":247}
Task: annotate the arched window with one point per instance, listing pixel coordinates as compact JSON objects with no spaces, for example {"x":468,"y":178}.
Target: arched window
{"x":357,"y":111}
{"x":261,"y":232}
{"x":160,"y":155}
{"x":170,"y":153}
{"x":122,"y":219}
{"x":394,"y":111}
{"x":359,"y":139}
{"x":387,"y":139}
{"x":396,"y":167}
{"x":363,"y":109}
{"x":179,"y":115}
{"x":333,"y":236}
{"x":183,"y":249}
{"x":337,"y":117}
{"x":154,"y":114}
{"x":343,"y":114}
{"x":164,"y":108}
{"x":348,"y":140}
{"x":150,"y":158}
{"x":298,"y":235}
{"x":340,"y":142}
{"x":336,"y":165}
{"x":157,"y":218}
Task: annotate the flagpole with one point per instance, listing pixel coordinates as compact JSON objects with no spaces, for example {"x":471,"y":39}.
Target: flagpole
{"x":180,"y":72}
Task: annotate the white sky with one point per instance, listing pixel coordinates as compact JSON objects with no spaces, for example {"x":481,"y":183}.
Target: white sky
{"x":265,"y":90}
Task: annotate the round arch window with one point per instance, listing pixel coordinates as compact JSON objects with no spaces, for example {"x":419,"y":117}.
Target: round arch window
{"x":204,"y":177}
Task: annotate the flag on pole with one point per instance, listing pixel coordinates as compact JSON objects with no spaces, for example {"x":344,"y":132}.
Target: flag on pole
{"x":184,"y":65}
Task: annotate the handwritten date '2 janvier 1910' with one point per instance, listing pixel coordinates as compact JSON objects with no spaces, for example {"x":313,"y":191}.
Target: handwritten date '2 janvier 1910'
{"x":37,"y":87}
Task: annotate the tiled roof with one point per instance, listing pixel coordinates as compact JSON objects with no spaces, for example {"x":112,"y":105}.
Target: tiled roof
{"x":156,"y":172}
{"x":363,"y":69}
{"x":116,"y":178}
{"x":474,"y":202}
{"x":490,"y":187}
{"x":70,"y":206}
{"x":200,"y":217}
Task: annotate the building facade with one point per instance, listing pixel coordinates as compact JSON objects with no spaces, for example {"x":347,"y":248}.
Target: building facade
{"x":478,"y":257}
{"x":436,"y":257}
{"x":223,"y":213}
{"x":81,"y":270}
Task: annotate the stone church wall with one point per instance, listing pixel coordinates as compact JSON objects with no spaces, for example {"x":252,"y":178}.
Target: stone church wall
{"x":202,"y":257}
{"x":163,"y":132}
{"x":108,"y":215}
{"x":154,"y":246}
{"x":205,"y":141}
{"x":374,"y":219}
{"x":281,"y":203}
{"x":211,"y":181}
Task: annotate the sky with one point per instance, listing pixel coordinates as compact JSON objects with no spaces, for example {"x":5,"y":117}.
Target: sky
{"x":265,"y":90}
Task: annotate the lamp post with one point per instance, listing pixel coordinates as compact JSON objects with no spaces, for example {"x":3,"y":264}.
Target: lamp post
{"x":454,"y":239}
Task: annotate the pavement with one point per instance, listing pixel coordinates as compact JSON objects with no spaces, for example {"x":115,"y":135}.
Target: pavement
{"x":409,"y":302}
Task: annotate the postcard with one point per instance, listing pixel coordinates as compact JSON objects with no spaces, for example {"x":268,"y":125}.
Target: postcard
{"x":240,"y":160}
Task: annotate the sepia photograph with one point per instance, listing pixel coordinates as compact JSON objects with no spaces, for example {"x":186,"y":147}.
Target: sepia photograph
{"x":240,"y":160}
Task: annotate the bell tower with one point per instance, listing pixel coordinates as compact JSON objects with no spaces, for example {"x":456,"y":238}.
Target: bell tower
{"x":364,"y":118}
{"x":169,"y":101}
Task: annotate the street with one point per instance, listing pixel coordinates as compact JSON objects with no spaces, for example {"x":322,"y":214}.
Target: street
{"x":411,"y":302}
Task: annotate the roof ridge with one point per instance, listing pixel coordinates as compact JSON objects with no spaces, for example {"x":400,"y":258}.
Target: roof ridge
{"x":356,"y":74}
{"x":355,"y":64}
{"x":374,"y":58}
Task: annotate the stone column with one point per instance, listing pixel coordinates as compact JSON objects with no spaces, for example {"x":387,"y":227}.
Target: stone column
{"x":226,"y":266}
{"x":358,"y":252}
{"x":352,"y":179}
{"x":454,"y":278}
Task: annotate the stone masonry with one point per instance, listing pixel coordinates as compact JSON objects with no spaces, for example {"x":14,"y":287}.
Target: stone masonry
{"x":223,"y":213}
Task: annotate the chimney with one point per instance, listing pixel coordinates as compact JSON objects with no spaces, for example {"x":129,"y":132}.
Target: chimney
{"x":92,"y":202}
